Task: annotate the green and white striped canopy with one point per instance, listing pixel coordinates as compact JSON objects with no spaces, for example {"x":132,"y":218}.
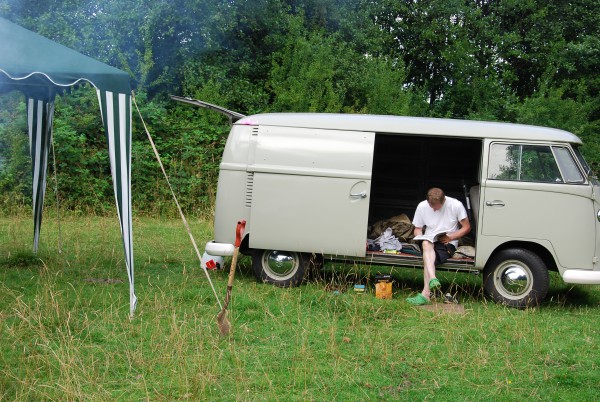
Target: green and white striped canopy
{"x":41,"y":69}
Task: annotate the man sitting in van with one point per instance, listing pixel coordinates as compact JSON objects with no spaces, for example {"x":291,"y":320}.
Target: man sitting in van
{"x":445,"y":221}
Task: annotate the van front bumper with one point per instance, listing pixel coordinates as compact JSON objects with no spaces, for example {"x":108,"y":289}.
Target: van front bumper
{"x":581,"y":276}
{"x":222,"y":249}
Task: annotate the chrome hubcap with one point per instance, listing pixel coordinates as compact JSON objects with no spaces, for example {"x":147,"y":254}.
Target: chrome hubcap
{"x":513,"y":279}
{"x":280,"y":264}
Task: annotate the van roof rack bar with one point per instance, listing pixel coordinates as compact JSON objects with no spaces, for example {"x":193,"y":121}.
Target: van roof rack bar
{"x":233,"y":116}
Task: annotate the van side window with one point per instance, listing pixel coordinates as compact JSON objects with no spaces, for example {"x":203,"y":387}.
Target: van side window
{"x":516,"y":162}
{"x":567,"y":165}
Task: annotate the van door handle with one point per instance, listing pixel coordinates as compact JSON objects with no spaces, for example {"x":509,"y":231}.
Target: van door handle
{"x":362,"y":194}
{"x":495,"y":203}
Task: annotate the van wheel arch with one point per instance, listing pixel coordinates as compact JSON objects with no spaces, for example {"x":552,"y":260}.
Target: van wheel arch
{"x":535,"y":248}
{"x":245,"y":245}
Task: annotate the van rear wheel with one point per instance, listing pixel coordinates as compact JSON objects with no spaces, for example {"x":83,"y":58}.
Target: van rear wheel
{"x":516,"y":277}
{"x":280,"y":268}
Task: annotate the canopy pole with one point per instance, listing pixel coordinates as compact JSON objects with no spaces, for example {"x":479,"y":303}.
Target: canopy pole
{"x":185,"y":223}
{"x":56,"y":191}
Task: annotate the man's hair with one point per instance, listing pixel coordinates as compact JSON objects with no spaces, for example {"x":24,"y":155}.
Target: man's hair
{"x":436,"y":195}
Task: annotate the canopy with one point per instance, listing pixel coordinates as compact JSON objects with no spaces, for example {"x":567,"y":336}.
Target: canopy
{"x":41,"y":69}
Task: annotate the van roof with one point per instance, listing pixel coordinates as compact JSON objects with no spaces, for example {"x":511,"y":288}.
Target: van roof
{"x":411,"y":125}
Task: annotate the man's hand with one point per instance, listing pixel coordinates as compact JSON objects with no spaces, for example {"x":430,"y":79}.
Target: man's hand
{"x":445,"y":238}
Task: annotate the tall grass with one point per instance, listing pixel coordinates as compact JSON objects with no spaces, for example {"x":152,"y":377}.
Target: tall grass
{"x":66,"y":334}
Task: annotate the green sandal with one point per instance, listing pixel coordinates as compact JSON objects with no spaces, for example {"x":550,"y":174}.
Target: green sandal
{"x":418,"y":300}
{"x":434,"y":284}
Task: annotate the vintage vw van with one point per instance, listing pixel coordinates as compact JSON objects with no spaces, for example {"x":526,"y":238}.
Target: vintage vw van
{"x":309,"y":186}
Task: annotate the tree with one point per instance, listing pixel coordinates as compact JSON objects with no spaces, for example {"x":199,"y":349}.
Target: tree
{"x":516,"y":60}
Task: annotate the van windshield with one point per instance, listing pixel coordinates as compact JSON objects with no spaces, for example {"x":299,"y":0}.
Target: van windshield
{"x":584,"y":165}
{"x":568,"y":166}
{"x":586,"y":168}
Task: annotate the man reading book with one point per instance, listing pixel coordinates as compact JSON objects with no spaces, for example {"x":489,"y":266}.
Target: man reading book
{"x":441,"y":221}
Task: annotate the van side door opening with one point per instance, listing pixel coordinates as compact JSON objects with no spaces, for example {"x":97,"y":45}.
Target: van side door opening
{"x":406,"y":166}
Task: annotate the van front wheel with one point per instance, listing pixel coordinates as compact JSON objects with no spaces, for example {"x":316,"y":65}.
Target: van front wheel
{"x":516,"y":277}
{"x":281,"y":268}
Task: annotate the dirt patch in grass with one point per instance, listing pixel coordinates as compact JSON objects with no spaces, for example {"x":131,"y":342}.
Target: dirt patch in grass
{"x":103,"y":281}
{"x":452,"y":308}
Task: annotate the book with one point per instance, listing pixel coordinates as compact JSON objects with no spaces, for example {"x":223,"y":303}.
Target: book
{"x":431,"y":237}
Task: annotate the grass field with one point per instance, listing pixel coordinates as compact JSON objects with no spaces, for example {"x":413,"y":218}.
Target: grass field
{"x":66,"y":335}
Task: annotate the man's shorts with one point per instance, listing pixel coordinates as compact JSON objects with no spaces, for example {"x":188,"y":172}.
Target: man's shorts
{"x":443,"y":252}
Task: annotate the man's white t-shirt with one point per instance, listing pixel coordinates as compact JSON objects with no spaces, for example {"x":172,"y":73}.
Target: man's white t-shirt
{"x":446,"y":219}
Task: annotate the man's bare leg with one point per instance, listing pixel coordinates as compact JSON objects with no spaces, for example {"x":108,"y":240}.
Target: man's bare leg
{"x":428,"y":267}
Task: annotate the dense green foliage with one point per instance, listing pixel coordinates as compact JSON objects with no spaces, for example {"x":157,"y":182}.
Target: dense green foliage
{"x":527,"y":61}
{"x":65,"y":333}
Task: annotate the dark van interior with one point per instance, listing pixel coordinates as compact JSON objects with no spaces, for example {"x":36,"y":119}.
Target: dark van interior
{"x":406,"y":166}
